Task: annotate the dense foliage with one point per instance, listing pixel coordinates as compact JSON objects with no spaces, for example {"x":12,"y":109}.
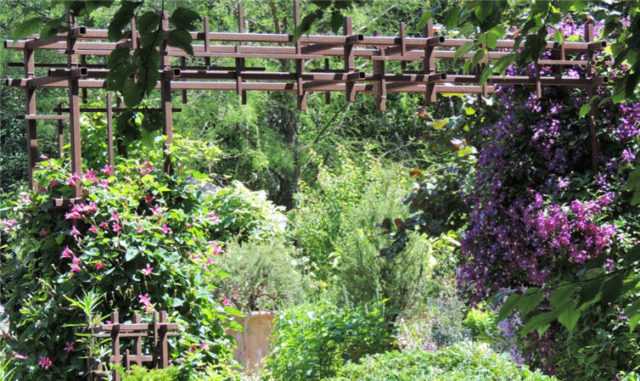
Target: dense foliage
{"x":463,"y":361}
{"x":313,"y":341}
{"x":141,"y":239}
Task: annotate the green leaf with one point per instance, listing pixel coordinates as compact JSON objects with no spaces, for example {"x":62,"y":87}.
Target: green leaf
{"x":530,"y":300}
{"x":483,"y":10}
{"x":584,"y":110}
{"x":611,"y":288}
{"x":120,"y":19}
{"x":452,"y":17}
{"x":424,"y":20}
{"x":131,"y":253}
{"x":509,"y":306}
{"x":539,"y":323}
{"x":181,"y":39}
{"x":590,"y":292}
{"x":132,"y":94}
{"x":148,"y":23}
{"x":558,"y":37}
{"x":27,"y":27}
{"x":464,"y":49}
{"x":562,"y":296}
{"x":184,"y":18}
{"x":337,"y":19}
{"x":569,"y":317}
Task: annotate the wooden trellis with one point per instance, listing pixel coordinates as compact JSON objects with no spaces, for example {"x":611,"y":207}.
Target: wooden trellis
{"x":158,"y":332}
{"x":377,"y":50}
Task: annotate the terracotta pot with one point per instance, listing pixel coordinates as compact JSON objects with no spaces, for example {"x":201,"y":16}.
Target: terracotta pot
{"x":253,"y":343}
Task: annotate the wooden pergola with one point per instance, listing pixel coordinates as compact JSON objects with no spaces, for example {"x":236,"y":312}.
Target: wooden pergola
{"x":79,"y":42}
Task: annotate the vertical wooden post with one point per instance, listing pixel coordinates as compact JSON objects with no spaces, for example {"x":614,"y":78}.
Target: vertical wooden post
{"x":137,"y":342}
{"x":429,"y":64}
{"x":593,"y":111}
{"x":74,"y":108}
{"x":115,"y":342}
{"x":327,"y":94}
{"x":30,"y":124}
{"x":134,"y":34}
{"x":110,"y":130}
{"x":183,"y":65}
{"x":163,"y":341}
{"x":83,"y":62}
{"x":60,"y":132}
{"x":349,"y":61}
{"x":155,"y":356}
{"x":240,"y":61}
{"x":165,"y":94}
{"x":207,"y":60}
{"x":380,"y":85}
{"x":403,"y":45}
{"x":302,"y":96}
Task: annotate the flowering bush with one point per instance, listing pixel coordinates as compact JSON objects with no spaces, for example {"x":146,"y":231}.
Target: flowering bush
{"x":142,"y":239}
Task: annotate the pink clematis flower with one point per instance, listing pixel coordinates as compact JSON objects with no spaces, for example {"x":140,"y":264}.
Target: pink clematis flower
{"x":73,"y":216}
{"x":74,"y":230}
{"x":216,"y":249}
{"x":76,"y":260}
{"x":155,"y":210}
{"x":213,"y":217}
{"x":74,"y":180}
{"x":116,"y":227}
{"x":204,"y":346}
{"x":165,"y":229}
{"x":106,"y":170}
{"x":68,"y":347}
{"x":19,"y":356}
{"x":147,"y":270}
{"x":45,"y":363}
{"x":75,"y":268}
{"x":149,"y":198}
{"x":8,"y":223}
{"x":99,"y":265}
{"x":66,"y":253}
{"x":226,"y":302}
{"x":42,"y":233}
{"x":94,"y":229}
{"x":104,"y":225}
{"x":146,"y":303}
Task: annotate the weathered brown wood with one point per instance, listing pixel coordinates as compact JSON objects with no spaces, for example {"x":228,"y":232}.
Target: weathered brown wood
{"x":30,"y":124}
{"x":60,"y":134}
{"x":74,"y":112}
{"x":349,"y":59}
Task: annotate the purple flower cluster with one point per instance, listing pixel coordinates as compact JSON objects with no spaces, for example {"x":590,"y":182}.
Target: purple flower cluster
{"x":525,"y":217}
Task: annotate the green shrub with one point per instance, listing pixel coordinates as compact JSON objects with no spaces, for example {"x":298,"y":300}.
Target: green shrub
{"x":313,"y":341}
{"x":262,"y":275}
{"x":142,"y":239}
{"x":338,"y":225}
{"x":463,"y":361}
{"x":142,"y":374}
{"x":482,"y":323}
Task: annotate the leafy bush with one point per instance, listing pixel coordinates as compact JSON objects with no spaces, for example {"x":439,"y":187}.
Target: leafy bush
{"x":313,"y":341}
{"x":142,"y":239}
{"x":482,"y":324}
{"x":262,"y":275}
{"x":463,"y":361}
{"x":142,"y":374}
{"x":338,"y":226}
